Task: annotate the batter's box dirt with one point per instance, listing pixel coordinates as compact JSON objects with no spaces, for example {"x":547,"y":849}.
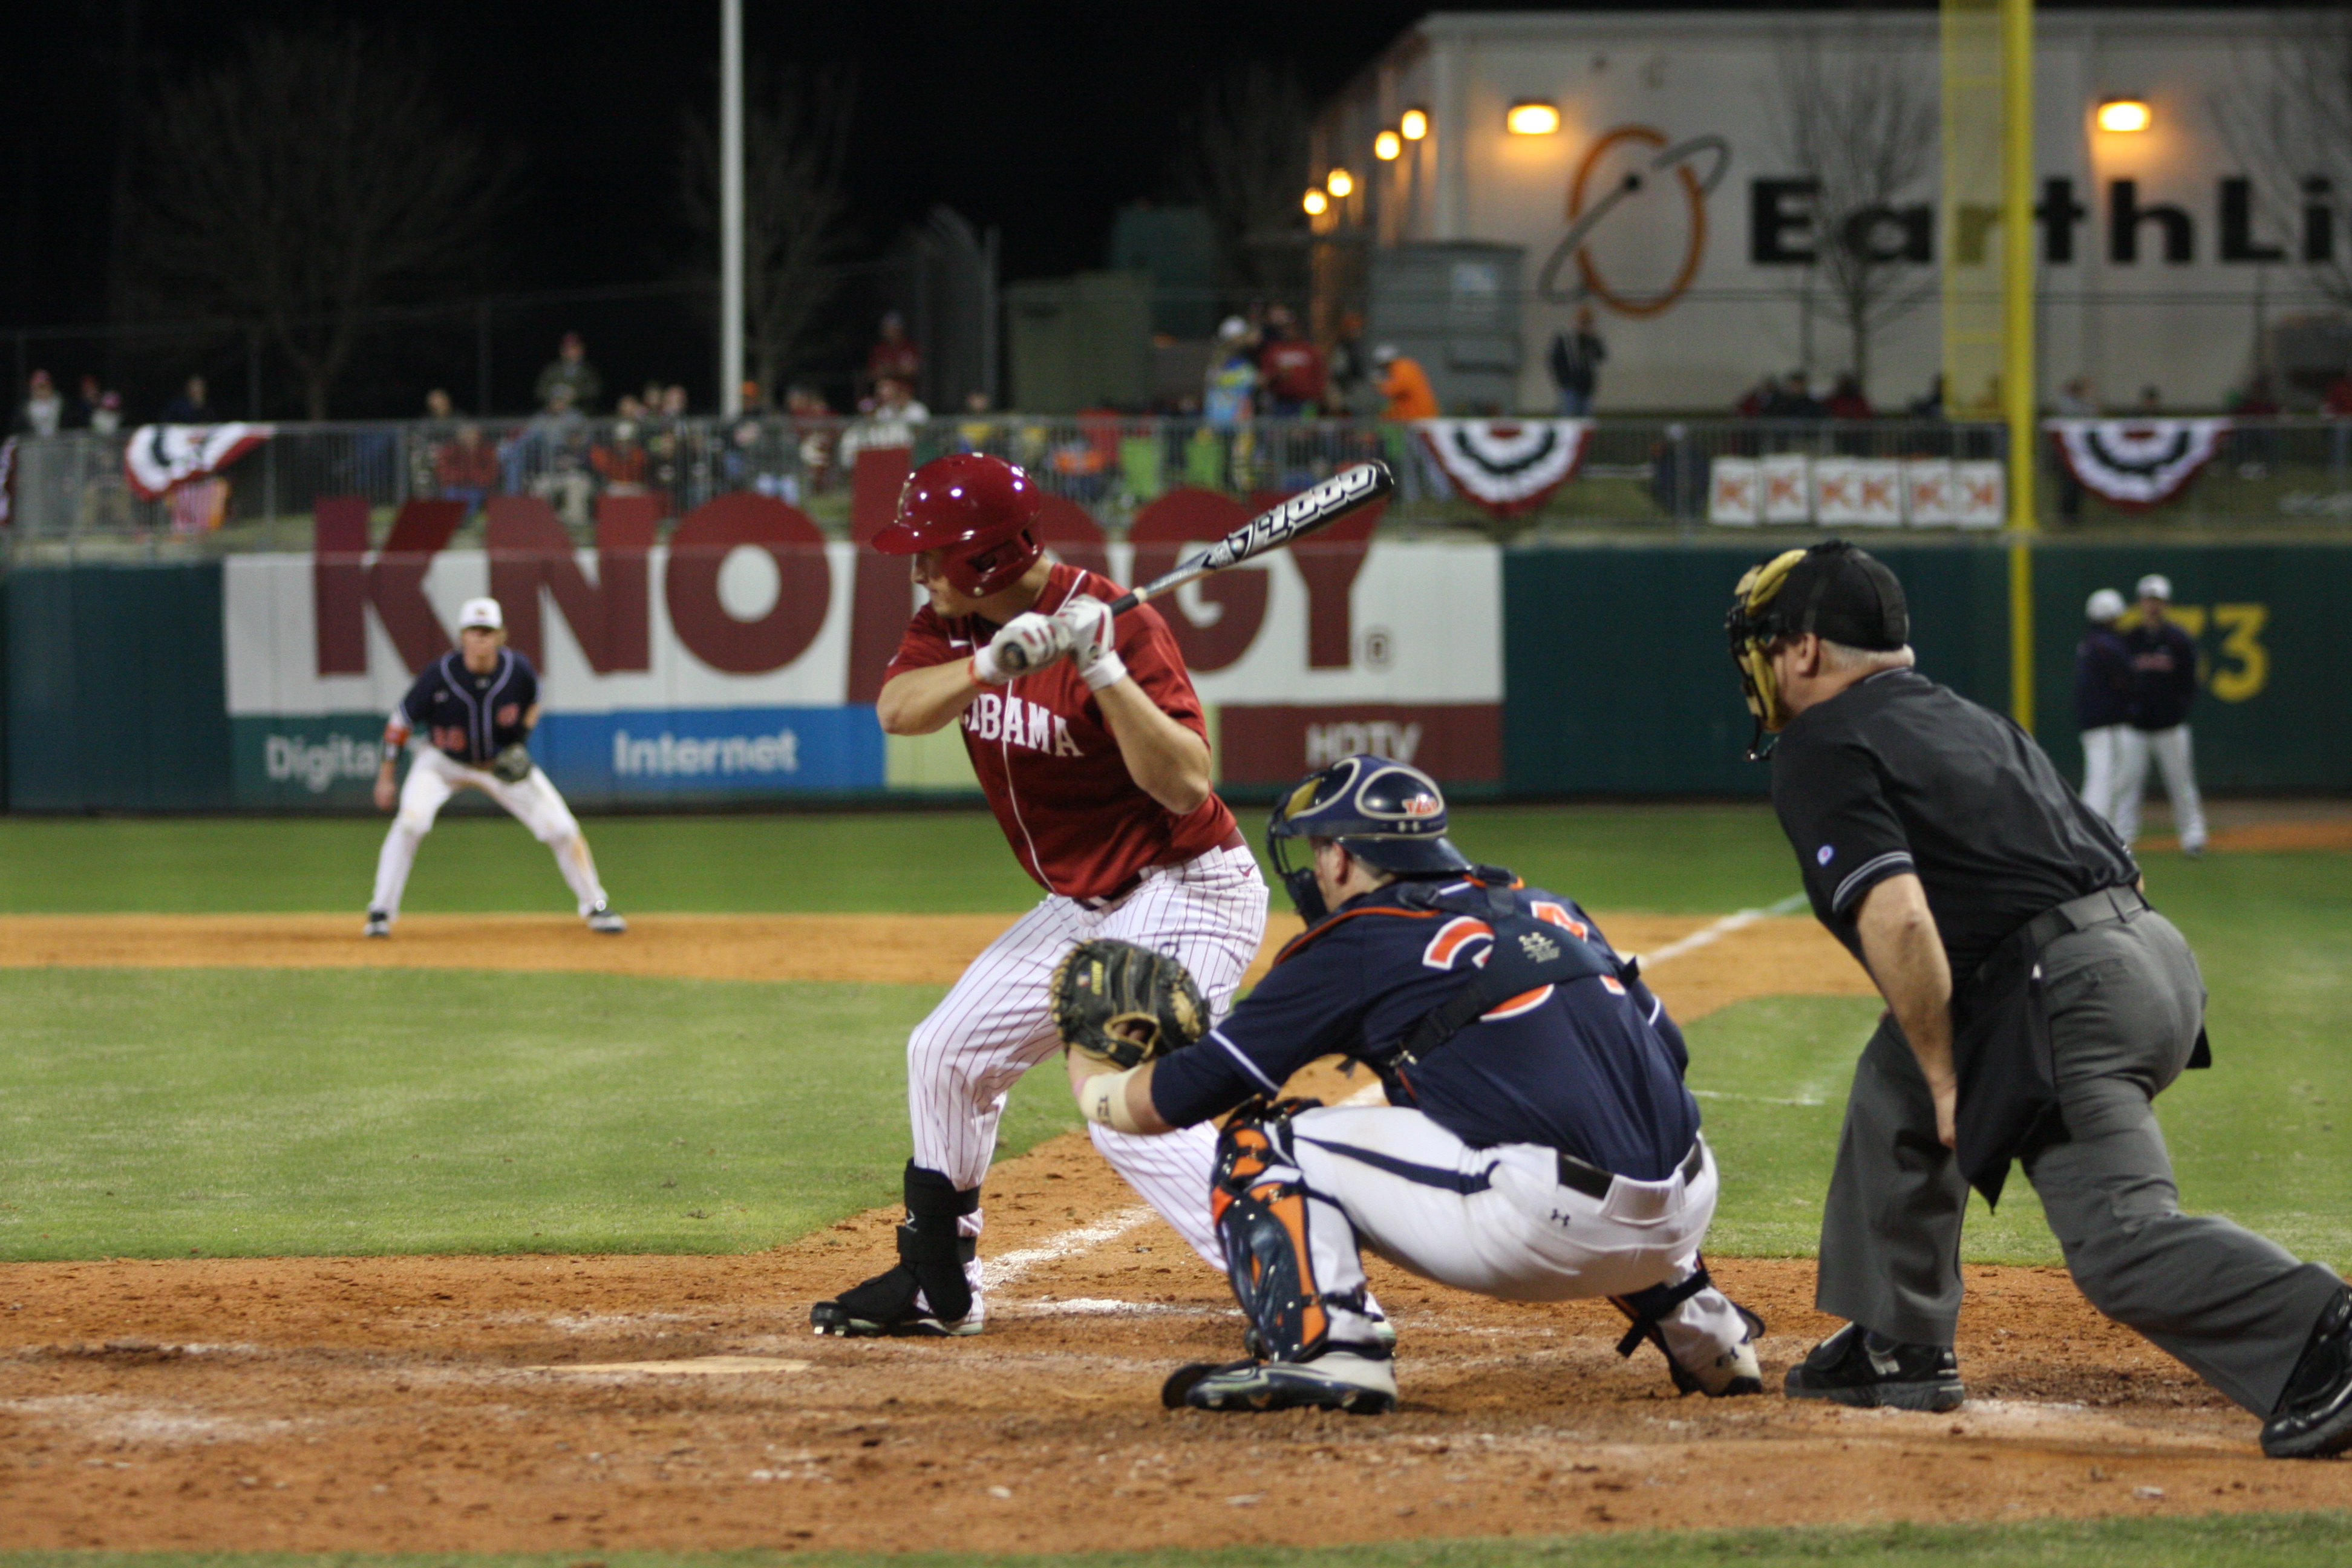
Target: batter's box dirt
{"x":513,"y":1403}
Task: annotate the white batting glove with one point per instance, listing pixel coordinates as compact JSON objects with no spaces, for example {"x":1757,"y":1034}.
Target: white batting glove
{"x":1092,"y":629}
{"x":1027,"y":642}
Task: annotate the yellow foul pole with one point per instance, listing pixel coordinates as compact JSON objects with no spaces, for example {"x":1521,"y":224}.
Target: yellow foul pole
{"x":2017,"y":378}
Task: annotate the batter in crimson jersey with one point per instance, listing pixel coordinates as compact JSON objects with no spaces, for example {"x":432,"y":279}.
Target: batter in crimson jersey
{"x":1096,"y":762}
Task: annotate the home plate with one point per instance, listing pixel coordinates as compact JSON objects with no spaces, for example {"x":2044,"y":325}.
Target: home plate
{"x":692,"y":1366}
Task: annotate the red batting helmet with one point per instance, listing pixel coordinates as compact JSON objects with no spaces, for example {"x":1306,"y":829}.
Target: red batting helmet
{"x":978,"y":512}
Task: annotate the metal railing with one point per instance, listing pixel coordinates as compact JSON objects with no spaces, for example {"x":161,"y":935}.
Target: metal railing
{"x":72,"y":497}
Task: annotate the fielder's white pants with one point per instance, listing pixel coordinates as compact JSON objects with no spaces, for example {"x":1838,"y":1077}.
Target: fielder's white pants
{"x":996,"y":1023}
{"x":1497,"y":1221}
{"x":2100,"y":745}
{"x":2171,"y":751}
{"x":432,"y":778}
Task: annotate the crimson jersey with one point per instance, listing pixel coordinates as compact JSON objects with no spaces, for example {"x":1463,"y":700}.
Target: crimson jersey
{"x":1048,"y":763}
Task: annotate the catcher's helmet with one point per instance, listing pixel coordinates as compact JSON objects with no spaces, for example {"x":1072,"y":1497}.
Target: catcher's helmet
{"x":978,"y":512}
{"x":1386,"y":814}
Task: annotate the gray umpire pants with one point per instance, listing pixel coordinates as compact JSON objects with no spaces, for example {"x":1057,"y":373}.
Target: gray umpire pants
{"x":2126,"y":1004}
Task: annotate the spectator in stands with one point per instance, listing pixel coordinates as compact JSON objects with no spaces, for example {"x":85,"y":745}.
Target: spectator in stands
{"x":466,"y":469}
{"x":895,"y":420}
{"x":190,"y":406}
{"x":1793,"y":399}
{"x":438,"y":406}
{"x":541,"y":445}
{"x":570,"y":369}
{"x":106,"y":418}
{"x":1930,"y":405}
{"x":1289,"y":368}
{"x":82,"y":412}
{"x":1847,"y":400}
{"x":619,"y":460}
{"x":1228,"y":392}
{"x":2151,"y":400}
{"x":43,"y":412}
{"x":1345,"y":374}
{"x":1409,"y":397}
{"x":2073,"y":402}
{"x":673,"y":403}
{"x":811,"y":420}
{"x":1574,"y":360}
{"x":894,"y":355}
{"x":1677,"y":473}
{"x":2337,"y":407}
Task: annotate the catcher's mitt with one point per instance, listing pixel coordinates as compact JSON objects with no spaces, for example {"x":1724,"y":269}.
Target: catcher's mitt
{"x":1119,"y":1004}
{"x":512,"y":763}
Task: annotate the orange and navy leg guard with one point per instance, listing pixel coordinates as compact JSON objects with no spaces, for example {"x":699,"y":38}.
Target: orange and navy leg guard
{"x":1259,"y":1203}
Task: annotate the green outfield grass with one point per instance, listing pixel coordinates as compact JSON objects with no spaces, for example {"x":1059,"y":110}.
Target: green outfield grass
{"x":259,"y":1112}
{"x":2270,"y":1541}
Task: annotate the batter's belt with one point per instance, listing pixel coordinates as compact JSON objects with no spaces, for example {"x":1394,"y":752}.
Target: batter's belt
{"x":1232,"y":840}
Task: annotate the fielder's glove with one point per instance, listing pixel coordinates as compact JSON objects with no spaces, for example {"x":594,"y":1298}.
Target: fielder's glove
{"x":512,"y":763}
{"x":1119,"y":1004}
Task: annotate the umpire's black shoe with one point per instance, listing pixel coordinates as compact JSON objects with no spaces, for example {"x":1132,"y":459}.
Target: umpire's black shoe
{"x":1855,"y":1366}
{"x":2313,"y":1419}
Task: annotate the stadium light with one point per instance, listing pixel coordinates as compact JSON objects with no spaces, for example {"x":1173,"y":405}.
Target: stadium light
{"x":1341,"y":184}
{"x":2123,"y":114}
{"x":1315,"y":202}
{"x":1533,"y":117}
{"x":1387,"y":145}
{"x":1413,"y":125}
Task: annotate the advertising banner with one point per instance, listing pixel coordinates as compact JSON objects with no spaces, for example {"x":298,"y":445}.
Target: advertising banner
{"x":740,"y":658}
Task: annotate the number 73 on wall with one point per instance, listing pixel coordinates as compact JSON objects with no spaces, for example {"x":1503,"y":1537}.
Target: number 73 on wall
{"x":2241,"y":666}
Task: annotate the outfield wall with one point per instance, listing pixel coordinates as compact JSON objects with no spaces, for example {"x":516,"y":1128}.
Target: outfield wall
{"x":737,"y":661}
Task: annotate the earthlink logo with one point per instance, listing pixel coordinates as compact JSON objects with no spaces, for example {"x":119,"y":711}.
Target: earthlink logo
{"x":1636,"y":220}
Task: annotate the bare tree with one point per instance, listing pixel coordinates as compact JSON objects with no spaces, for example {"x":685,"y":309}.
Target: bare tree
{"x":1242,"y":155}
{"x":2288,"y":118}
{"x":310,"y":177}
{"x":796,"y":234}
{"x":1856,"y":117}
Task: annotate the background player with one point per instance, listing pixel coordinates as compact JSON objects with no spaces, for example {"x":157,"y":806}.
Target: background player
{"x":2103,"y":682}
{"x":1537,"y":1146}
{"x":475,"y":708}
{"x":2163,"y":685}
{"x":1096,"y":767}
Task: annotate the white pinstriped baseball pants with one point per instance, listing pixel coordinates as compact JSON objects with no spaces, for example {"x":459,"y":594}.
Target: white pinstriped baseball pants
{"x":996,"y":1025}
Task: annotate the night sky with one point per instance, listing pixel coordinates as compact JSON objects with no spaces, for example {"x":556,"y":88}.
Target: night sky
{"x":1038,"y":118}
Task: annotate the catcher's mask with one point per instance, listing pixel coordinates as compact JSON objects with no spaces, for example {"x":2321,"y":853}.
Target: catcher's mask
{"x":1384,"y":813}
{"x":1842,"y":594}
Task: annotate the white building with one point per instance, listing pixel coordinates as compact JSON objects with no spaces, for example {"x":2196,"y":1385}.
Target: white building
{"x":2188,"y":255}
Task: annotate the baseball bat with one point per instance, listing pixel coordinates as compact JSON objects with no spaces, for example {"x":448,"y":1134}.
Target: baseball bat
{"x":1317,"y":507}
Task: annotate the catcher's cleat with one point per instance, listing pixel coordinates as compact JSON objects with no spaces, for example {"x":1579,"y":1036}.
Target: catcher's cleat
{"x":606,"y":921}
{"x":1729,"y":1376}
{"x":1336,"y":1380}
{"x":2313,"y":1419}
{"x":378,"y":923}
{"x":1869,"y":1371}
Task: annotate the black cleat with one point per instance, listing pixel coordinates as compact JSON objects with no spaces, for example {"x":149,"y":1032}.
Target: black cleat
{"x":2313,"y":1419}
{"x":890,"y":1305}
{"x":378,"y":923}
{"x":1360,"y":1385}
{"x":1870,"y":1372}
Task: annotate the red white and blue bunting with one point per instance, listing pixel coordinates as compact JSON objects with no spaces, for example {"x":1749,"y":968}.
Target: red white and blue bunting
{"x":162,"y":455}
{"x":1507,"y":465}
{"x":2137,"y":463}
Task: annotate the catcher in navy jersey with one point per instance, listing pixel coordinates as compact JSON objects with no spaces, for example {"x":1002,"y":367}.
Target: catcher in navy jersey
{"x":1537,"y":1144}
{"x":475,"y":708}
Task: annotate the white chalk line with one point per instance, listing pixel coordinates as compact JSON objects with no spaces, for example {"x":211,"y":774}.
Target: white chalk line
{"x":998,"y":1272}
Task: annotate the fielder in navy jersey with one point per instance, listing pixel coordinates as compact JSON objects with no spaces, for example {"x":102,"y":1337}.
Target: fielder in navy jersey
{"x":475,"y":708}
{"x":1538,"y":1144}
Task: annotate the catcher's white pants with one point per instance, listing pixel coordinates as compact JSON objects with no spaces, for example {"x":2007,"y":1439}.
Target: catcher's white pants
{"x":432,"y":778}
{"x":2100,"y":744}
{"x":1497,"y":1221}
{"x":2171,"y":749}
{"x":997,"y":1023}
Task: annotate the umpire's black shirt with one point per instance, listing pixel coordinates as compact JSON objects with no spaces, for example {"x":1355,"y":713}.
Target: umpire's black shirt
{"x":1896,"y":773}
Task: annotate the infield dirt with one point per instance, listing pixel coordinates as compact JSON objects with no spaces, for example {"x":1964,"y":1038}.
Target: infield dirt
{"x":559,"y":1402}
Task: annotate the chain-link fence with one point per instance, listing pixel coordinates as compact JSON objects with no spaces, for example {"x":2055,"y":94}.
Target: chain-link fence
{"x":74,"y":496}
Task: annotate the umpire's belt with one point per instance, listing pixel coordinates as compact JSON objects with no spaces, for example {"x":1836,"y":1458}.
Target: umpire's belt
{"x":1582,"y":1176}
{"x":2079,"y":914}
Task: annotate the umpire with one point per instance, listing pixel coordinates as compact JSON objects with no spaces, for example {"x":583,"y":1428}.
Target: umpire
{"x":2036,"y":1006}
